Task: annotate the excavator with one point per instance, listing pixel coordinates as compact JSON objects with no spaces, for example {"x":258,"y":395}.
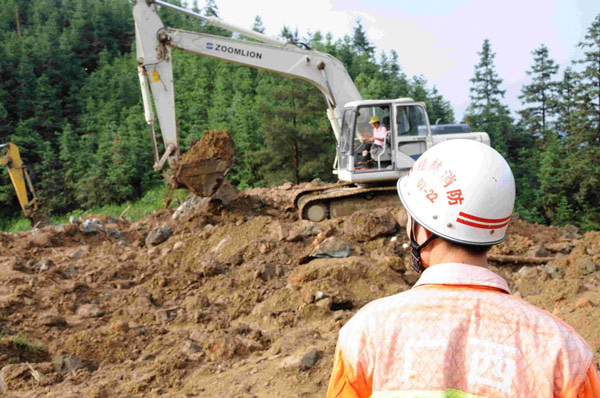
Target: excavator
{"x":361,"y":184}
{"x":20,"y":179}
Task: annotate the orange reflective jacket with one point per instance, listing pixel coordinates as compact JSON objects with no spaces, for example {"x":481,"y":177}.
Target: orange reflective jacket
{"x":460,"y":333}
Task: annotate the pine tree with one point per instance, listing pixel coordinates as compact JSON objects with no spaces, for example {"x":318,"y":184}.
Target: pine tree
{"x":487,"y":112}
{"x":539,"y":96}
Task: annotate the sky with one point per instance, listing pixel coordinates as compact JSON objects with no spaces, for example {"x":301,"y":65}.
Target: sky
{"x":439,"y":39}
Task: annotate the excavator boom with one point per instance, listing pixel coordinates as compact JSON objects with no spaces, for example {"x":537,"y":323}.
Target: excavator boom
{"x":20,"y":179}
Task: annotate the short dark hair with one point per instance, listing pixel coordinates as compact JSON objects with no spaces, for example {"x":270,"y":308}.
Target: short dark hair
{"x":475,"y":249}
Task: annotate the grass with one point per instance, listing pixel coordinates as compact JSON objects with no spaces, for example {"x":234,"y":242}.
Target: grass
{"x":153,"y":199}
{"x":25,"y":345}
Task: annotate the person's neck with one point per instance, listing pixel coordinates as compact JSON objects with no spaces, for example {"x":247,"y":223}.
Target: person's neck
{"x":440,"y":252}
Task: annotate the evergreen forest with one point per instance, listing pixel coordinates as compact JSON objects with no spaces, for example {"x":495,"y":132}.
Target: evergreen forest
{"x":70,"y":99}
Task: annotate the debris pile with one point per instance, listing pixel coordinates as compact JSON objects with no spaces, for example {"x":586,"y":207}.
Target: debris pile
{"x":233,"y":297}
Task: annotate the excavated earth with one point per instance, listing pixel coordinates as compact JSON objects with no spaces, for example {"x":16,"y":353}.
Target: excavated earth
{"x":239,"y":299}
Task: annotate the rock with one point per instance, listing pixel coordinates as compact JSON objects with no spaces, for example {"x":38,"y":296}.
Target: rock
{"x":302,"y":230}
{"x":178,"y":245}
{"x":43,"y":265}
{"x":70,"y":363}
{"x":571,"y":231}
{"x":226,"y":193}
{"x":583,"y":303}
{"x":368,"y":224}
{"x":586,"y":266}
{"x":190,"y":347}
{"x":77,"y":254}
{"x":53,"y":320}
{"x":190,"y":206}
{"x":210,"y":266}
{"x":526,"y":271}
{"x":72,"y":220}
{"x":90,"y":311}
{"x":287,"y":186}
{"x":113,"y":233}
{"x":91,"y":226}
{"x":291,"y":362}
{"x":167,"y":315}
{"x":309,"y":359}
{"x":567,"y":309}
{"x":331,"y":247}
{"x":559,"y":247}
{"x":538,"y":251}
{"x":14,"y":376}
{"x":554,"y":272}
{"x":158,"y":236}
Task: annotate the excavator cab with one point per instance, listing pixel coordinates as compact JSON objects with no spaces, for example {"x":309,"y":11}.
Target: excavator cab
{"x":406,"y":139}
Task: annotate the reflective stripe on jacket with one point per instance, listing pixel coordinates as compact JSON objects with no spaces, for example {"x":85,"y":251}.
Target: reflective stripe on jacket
{"x":460,"y":333}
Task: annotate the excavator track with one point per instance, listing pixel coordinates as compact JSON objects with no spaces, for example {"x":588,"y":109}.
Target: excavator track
{"x":339,"y":201}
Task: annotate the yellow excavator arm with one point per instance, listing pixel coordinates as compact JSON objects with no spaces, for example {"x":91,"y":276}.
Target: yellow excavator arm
{"x":19,"y":177}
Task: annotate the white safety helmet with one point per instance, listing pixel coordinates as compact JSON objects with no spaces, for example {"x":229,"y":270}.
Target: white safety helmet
{"x":461,"y":190}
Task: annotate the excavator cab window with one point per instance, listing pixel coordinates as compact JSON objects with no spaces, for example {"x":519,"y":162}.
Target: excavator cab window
{"x":411,"y":121}
{"x":364,"y":146}
{"x":346,"y":145}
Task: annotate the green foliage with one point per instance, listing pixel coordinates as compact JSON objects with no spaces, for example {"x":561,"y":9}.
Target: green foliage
{"x":69,"y":97}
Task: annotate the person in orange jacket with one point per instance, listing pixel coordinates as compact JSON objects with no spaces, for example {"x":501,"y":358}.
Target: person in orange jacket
{"x":459,"y":333}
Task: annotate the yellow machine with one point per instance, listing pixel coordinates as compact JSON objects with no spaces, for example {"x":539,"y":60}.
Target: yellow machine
{"x":20,"y":180}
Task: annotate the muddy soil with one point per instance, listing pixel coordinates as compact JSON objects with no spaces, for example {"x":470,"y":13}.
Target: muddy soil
{"x":202,"y":169}
{"x":237,"y":300}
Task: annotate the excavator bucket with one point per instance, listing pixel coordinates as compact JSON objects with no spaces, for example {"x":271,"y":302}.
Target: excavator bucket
{"x":202,"y":169}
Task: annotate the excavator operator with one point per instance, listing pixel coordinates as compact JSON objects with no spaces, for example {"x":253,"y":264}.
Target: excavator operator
{"x":373,"y":144}
{"x":459,"y":332}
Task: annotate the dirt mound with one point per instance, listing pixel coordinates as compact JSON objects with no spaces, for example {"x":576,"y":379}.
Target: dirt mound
{"x":235,"y":298}
{"x":202,"y":169}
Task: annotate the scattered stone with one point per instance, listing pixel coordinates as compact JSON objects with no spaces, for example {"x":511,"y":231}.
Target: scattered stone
{"x":302,"y":230}
{"x":13,"y":376}
{"x":190,"y":347}
{"x":70,"y":363}
{"x":586,"y":266}
{"x":91,"y":226}
{"x":113,"y":233}
{"x":538,"y":251}
{"x":526,"y":271}
{"x":291,"y":362}
{"x":369,"y":224}
{"x":43,"y":265}
{"x":226,"y":193}
{"x":210,"y":266}
{"x":167,"y":315}
{"x":559,"y":247}
{"x":158,"y":236}
{"x":331,"y":247}
{"x":178,"y":245}
{"x":309,"y":359}
{"x":287,"y":186}
{"x":567,"y":309}
{"x":554,"y":272}
{"x":53,"y":320}
{"x":190,"y":206}
{"x":90,"y":311}
{"x":77,"y":254}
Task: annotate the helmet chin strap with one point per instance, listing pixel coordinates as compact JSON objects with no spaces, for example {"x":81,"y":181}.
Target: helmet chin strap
{"x":416,"y":248}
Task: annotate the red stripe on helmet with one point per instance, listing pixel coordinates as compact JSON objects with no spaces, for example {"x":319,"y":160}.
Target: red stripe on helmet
{"x":490,"y":220}
{"x":482,"y":226}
